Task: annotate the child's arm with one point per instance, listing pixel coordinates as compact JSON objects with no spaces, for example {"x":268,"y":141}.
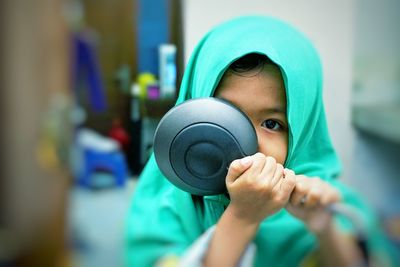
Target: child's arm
{"x":308,"y":202}
{"x":258,"y":188}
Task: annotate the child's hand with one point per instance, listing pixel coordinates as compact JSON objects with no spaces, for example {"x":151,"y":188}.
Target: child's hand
{"x":258,"y":187}
{"x":309,"y":200}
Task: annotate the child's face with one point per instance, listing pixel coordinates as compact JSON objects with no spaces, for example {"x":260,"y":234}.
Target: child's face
{"x":262,"y":97}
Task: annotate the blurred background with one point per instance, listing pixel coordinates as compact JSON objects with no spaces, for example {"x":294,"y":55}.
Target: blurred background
{"x":83,"y":84}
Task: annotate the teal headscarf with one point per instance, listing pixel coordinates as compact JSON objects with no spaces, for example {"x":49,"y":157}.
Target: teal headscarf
{"x":164,"y":220}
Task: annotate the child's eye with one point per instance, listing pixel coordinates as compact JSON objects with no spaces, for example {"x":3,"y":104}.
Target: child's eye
{"x":272,"y":125}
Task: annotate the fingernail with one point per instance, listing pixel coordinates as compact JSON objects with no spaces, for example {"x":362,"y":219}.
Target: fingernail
{"x":246,"y":161}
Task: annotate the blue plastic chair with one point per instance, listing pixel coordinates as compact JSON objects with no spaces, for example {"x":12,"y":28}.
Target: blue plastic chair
{"x":111,"y":161}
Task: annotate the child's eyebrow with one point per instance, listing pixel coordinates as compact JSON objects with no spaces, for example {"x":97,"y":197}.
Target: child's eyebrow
{"x":274,"y":110}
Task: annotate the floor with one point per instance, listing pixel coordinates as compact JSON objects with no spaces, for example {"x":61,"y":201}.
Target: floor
{"x":96,"y":222}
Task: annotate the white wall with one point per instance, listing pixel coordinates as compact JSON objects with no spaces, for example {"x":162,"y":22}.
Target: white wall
{"x":377,"y":57}
{"x":377,"y":84}
{"x":329,"y":25}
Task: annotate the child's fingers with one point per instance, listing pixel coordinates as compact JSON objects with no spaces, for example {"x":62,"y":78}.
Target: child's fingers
{"x":299,"y":193}
{"x":259,"y":161}
{"x":313,"y":197}
{"x":310,"y":192}
{"x":331,"y":195}
{"x":271,"y":172}
{"x":279,"y":174}
{"x":288,"y":182}
{"x":237,"y":168}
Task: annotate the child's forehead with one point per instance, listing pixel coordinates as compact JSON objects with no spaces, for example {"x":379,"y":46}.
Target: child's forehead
{"x":255,"y":94}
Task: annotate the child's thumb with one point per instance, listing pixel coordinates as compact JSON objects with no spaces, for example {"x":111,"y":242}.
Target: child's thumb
{"x":237,"y":168}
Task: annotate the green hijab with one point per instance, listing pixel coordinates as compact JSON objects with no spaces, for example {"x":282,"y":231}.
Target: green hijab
{"x":163,"y":220}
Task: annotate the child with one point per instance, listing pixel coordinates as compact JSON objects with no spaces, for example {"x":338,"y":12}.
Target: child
{"x":275,"y":212}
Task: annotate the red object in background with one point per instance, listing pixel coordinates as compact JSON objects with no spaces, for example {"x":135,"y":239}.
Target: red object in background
{"x":119,"y":134}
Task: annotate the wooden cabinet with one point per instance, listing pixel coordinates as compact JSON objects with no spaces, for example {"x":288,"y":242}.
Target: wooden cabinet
{"x":34,"y":99}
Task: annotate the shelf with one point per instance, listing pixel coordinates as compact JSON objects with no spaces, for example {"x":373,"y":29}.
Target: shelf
{"x":156,"y":108}
{"x":382,"y":121}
